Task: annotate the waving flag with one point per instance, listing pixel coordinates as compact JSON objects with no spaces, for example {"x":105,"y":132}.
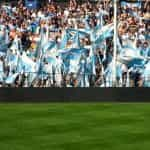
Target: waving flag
{"x":15,"y":44}
{"x":2,"y":34}
{"x":64,"y":40}
{"x":86,"y":22}
{"x":77,"y":41}
{"x":82,"y":32}
{"x":83,"y":74}
{"x":50,"y":49}
{"x":131,"y":57}
{"x":28,"y":66}
{"x":3,"y":40}
{"x":133,"y":4}
{"x":3,"y":48}
{"x":11,"y":78}
{"x":146,"y":75}
{"x":103,"y":33}
{"x":1,"y":71}
{"x":71,"y":58}
{"x":74,"y":63}
{"x":41,"y":43}
{"x":12,"y":60}
{"x":91,"y":60}
{"x":6,"y":36}
{"x":108,"y":72}
{"x":73,"y":35}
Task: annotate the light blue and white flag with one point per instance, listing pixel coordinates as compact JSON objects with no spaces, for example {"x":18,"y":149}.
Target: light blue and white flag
{"x":132,"y":4}
{"x":108,"y":74}
{"x":64,"y":40}
{"x":146,"y":75}
{"x":41,"y":43}
{"x":12,"y":60}
{"x":6,"y":36}
{"x":15,"y":44}
{"x":131,"y":57}
{"x":1,"y":71}
{"x":26,"y":65}
{"x":3,"y":48}
{"x":103,"y":33}
{"x":73,"y":35}
{"x":11,"y":78}
{"x":74,"y":60}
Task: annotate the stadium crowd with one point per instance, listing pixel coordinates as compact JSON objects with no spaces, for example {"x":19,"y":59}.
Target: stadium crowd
{"x":55,"y":46}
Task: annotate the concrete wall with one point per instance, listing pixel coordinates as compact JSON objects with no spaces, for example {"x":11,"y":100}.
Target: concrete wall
{"x":74,"y":95}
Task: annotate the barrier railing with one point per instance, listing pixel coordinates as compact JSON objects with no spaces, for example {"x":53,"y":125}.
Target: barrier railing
{"x":33,"y":79}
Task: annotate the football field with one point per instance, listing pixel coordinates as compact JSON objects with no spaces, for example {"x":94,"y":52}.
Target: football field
{"x":74,"y":126}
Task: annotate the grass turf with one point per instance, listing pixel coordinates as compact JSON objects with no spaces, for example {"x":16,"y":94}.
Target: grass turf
{"x":74,"y":126}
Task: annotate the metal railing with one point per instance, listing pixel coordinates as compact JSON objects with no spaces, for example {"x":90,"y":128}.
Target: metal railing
{"x":32,"y":79}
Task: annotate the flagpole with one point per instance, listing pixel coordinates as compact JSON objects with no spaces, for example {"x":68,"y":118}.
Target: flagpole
{"x":115,"y":44}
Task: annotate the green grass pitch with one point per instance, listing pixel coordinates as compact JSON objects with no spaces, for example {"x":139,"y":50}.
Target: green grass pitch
{"x":74,"y":126}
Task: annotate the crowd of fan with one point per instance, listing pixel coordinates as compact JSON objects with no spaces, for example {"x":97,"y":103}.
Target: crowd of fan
{"x":134,"y":29}
{"x":26,"y":24}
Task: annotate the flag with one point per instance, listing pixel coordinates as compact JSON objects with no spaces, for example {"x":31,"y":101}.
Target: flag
{"x":71,"y":58}
{"x":50,"y":48}
{"x":1,"y":71}
{"x":82,"y":71}
{"x":40,"y":44}
{"x":6,"y":36}
{"x":3,"y":48}
{"x":131,"y":57}
{"x":146,"y":75}
{"x":103,"y":33}
{"x":73,"y":35}
{"x":64,"y":40}
{"x":30,"y":67}
{"x":12,"y":60}
{"x":27,"y":65}
{"x":119,"y":46}
{"x":137,"y":4}
{"x":76,"y":42}
{"x":82,"y":32}
{"x":74,"y":63}
{"x":11,"y":78}
{"x":86,"y":22}
{"x":15,"y":44}
{"x":108,"y":74}
{"x":92,"y":60}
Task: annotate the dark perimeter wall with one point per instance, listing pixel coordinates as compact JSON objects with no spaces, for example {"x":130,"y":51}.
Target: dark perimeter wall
{"x":75,"y":95}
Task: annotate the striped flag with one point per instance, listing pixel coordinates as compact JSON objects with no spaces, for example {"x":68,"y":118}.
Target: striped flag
{"x":103,"y":33}
{"x":11,"y":78}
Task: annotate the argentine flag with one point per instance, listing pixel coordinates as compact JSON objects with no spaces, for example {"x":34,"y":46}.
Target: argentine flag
{"x":64,"y":40}
{"x":1,"y":71}
{"x":131,"y":57}
{"x":146,"y":75}
{"x":103,"y":33}
{"x":11,"y":78}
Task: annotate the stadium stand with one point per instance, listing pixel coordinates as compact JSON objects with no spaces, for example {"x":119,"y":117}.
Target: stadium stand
{"x":72,"y":45}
